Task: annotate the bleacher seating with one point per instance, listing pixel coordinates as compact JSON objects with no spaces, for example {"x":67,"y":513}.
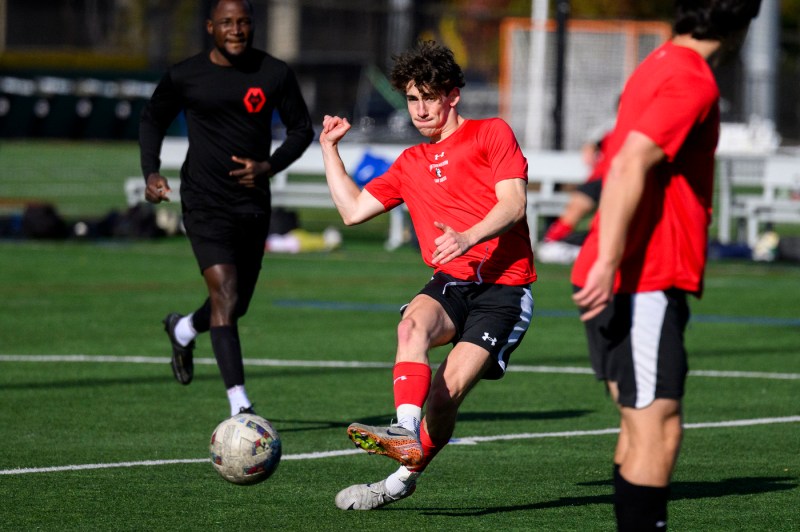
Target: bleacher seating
{"x":755,"y":190}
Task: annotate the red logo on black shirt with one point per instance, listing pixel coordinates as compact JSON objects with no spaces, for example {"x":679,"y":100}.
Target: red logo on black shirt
{"x":254,"y":100}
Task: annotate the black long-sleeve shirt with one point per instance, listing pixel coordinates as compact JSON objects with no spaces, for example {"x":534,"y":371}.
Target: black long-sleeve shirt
{"x":228,"y":112}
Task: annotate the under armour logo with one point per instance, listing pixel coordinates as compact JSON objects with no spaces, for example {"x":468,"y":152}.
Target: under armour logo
{"x":438,"y":156}
{"x":487,"y":338}
{"x":254,"y":100}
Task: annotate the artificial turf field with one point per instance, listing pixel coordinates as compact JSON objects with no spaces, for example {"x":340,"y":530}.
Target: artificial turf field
{"x":97,"y":435}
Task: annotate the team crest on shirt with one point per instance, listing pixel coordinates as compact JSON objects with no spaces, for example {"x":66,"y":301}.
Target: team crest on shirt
{"x":254,"y":100}
{"x":438,"y":168}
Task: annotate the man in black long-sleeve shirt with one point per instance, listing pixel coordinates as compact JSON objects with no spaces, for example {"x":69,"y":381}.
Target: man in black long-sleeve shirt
{"x":228,"y":96}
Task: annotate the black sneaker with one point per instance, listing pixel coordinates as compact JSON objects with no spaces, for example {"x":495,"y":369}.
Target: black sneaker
{"x":182,"y":356}
{"x":248,"y":410}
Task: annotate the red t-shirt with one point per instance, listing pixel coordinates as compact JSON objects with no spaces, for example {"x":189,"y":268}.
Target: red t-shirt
{"x":453,"y":182}
{"x":672,"y":98}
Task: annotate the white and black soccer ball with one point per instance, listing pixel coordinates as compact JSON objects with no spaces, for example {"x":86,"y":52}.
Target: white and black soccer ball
{"x":245,"y":449}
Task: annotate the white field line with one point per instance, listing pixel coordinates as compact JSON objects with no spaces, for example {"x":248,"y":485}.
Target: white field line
{"x":473,"y":440}
{"x":357,"y":364}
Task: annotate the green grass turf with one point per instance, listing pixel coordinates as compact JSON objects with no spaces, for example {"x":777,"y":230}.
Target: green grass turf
{"x":108,"y":298}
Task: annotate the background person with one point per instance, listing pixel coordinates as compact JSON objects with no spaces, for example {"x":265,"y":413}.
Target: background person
{"x":560,"y":243}
{"x":228,"y":95}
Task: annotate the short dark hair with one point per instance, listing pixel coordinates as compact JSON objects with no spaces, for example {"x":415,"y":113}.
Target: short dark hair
{"x":713,"y":19}
{"x":213,"y":4}
{"x":431,"y":66}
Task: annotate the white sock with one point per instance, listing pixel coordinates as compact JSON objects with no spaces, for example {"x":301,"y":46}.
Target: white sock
{"x":400,"y":480}
{"x":237,"y":397}
{"x":409,"y":416}
{"x":184,"y":331}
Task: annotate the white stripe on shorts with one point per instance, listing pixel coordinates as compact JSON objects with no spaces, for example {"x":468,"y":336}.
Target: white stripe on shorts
{"x":526,"y":307}
{"x":648,"y":310}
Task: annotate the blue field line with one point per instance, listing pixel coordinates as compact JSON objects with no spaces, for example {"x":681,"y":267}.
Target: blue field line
{"x":383,"y":307}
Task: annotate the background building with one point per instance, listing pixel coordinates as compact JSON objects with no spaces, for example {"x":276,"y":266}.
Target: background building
{"x":83,"y":68}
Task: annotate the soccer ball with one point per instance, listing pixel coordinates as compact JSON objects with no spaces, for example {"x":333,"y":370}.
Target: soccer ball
{"x":245,"y":449}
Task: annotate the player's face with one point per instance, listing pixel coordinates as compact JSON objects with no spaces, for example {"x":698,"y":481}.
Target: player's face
{"x":433,"y":114}
{"x":231,"y":26}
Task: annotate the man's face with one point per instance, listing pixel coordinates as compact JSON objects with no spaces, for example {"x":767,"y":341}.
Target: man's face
{"x":432,"y":113}
{"x":231,"y":26}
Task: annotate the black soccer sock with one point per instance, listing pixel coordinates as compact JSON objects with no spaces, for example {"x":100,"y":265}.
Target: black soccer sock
{"x":228,"y":352}
{"x":639,"y":508}
{"x":201,"y":318}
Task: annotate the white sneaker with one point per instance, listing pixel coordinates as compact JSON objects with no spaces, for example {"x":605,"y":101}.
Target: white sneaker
{"x":556,"y":252}
{"x":766,"y":249}
{"x":369,"y":496}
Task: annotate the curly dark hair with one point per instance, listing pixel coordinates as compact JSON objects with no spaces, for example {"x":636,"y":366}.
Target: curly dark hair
{"x":713,"y":19}
{"x":431,"y":66}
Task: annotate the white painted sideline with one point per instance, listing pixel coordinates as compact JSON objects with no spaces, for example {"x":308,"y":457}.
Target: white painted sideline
{"x":268,"y":362}
{"x":474,"y":440}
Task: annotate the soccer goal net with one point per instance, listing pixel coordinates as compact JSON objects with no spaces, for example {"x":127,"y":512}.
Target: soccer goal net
{"x":600,"y":55}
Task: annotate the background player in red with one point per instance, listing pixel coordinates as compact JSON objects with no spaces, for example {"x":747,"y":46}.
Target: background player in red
{"x":465,"y":192}
{"x":228,"y":95}
{"x":646,"y":249}
{"x":561,"y":243}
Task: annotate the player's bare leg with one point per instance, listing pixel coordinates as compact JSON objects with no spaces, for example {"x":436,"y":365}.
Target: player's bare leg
{"x":456,"y":376}
{"x":424,"y":325}
{"x":654,"y":437}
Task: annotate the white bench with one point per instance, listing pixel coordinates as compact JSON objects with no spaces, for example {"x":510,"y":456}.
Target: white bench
{"x":736,"y":171}
{"x":779,"y":201}
{"x":285,"y":192}
{"x":772,"y":183}
{"x":546,"y":170}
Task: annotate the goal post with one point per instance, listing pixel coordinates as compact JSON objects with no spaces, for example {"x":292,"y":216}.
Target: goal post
{"x":600,"y":55}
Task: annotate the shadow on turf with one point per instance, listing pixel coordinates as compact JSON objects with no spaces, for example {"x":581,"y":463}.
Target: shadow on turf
{"x":680,"y":490}
{"x":383,"y":419}
{"x":93,"y":382}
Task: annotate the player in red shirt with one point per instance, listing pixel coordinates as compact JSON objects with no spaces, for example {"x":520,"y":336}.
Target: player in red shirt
{"x":466,"y":193}
{"x":646,"y":249}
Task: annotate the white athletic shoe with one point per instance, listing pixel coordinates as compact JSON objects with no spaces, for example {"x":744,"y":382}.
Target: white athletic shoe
{"x":556,"y":252}
{"x":369,"y":496}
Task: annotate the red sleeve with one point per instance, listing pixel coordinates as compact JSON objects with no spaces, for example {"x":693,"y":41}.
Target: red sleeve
{"x":681,"y":102}
{"x":503,"y":152}
{"x":386,"y":187}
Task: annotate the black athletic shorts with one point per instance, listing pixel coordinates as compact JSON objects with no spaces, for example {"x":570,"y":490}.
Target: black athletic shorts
{"x":492,"y":316}
{"x":226,"y":238}
{"x":637,"y":342}
{"x":592,"y":189}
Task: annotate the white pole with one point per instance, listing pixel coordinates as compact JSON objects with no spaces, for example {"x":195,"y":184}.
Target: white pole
{"x":536,"y":75}
{"x":283,"y":34}
{"x":760,"y":57}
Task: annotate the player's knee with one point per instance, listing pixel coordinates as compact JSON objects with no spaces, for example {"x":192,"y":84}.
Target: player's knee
{"x":408,"y":332}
